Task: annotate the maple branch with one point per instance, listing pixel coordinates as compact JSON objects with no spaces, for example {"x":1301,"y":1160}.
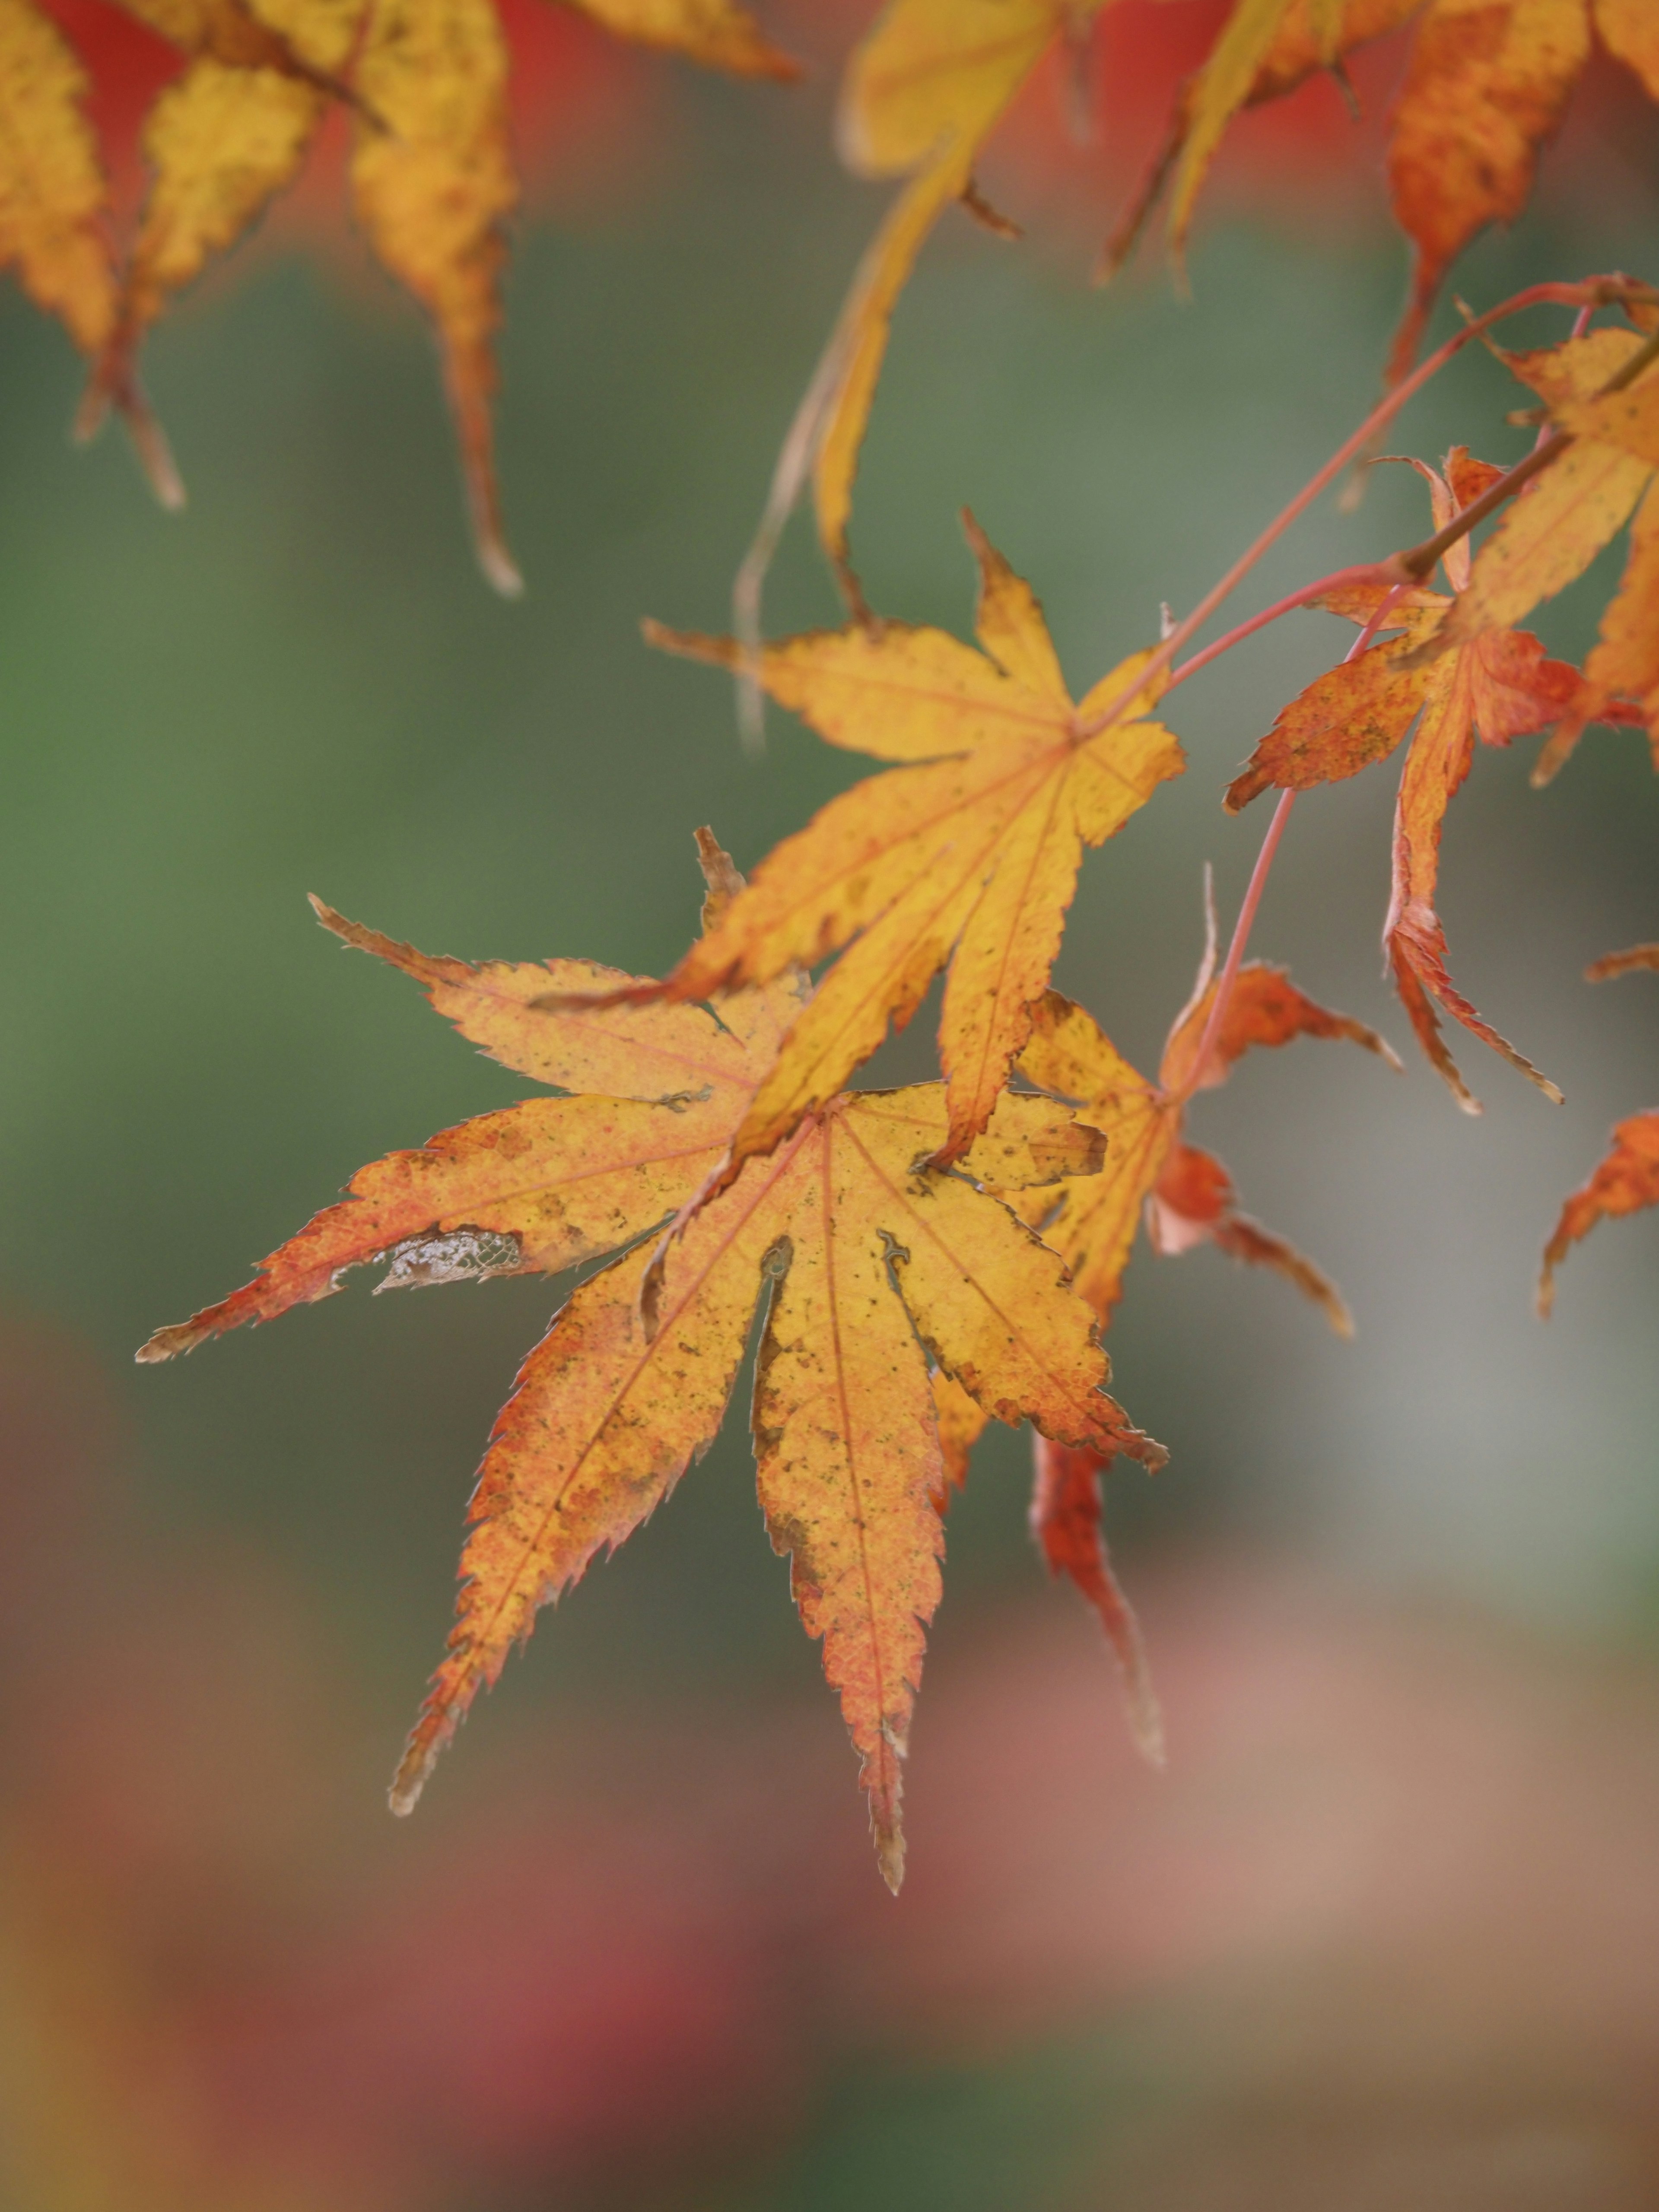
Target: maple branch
{"x":1259,"y":874}
{"x":1595,"y":291}
{"x":1417,"y":561}
{"x":1626,"y":374}
{"x":1414,"y":565}
{"x":1368,"y":572}
{"x":1374,"y":622}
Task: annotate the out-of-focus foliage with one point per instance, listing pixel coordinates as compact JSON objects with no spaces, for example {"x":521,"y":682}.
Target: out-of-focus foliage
{"x":644,"y":1964}
{"x":1626,"y":1181}
{"x":425,"y":83}
{"x":433,"y":178}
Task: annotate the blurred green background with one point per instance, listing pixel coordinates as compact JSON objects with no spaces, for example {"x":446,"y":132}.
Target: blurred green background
{"x":302,"y":685}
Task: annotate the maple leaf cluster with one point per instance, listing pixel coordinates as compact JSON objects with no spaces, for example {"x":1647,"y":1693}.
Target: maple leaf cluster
{"x":926,"y":1260}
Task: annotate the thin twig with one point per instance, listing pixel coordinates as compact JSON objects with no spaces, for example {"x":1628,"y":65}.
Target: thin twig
{"x":1368,"y":572}
{"x":1224,"y":990}
{"x":1414,"y":565}
{"x":1418,"y":562}
{"x":1259,"y":874}
{"x":1594,"y":292}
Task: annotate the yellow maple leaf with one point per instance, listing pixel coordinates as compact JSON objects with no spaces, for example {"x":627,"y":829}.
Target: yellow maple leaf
{"x":219,"y":142}
{"x":1185,"y":1195}
{"x":1621,"y":675}
{"x":1224,"y":85}
{"x":1554,"y":529}
{"x":872,"y":1267}
{"x":1626,"y":1179}
{"x":1151,"y":1176}
{"x":964,"y":857}
{"x":433,"y":181}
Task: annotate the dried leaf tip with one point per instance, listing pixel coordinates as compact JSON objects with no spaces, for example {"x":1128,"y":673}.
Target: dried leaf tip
{"x":1628,"y":963}
{"x":890,"y":1855}
{"x":180,"y":1337}
{"x":150,"y":442}
{"x":501,"y":571}
{"x":416,"y":1763}
{"x":721,"y":873}
{"x":1625,"y":1181}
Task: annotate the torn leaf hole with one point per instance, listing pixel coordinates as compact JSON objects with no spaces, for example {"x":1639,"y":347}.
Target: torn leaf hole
{"x":460,"y":1255}
{"x":892,"y":1254}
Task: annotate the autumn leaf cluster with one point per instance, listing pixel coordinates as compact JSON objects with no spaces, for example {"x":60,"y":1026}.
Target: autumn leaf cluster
{"x":916,"y":1262}
{"x":425,"y":86}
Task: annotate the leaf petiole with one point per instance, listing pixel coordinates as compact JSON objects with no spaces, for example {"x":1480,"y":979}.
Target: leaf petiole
{"x":1597,"y":291}
{"x":1258,"y":883}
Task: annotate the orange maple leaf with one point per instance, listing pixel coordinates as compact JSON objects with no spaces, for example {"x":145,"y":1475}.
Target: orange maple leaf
{"x":1183,"y":1196}
{"x":871,"y":1265}
{"x":1066,"y":1517}
{"x":1488,"y":84}
{"x":964,"y":858}
{"x":1498,"y":683}
{"x":1626,"y":1179}
{"x":1264,"y":52}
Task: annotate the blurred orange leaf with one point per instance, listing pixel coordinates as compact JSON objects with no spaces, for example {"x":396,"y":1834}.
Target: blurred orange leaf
{"x":1486,"y":86}
{"x":52,"y":182}
{"x":716,"y":33}
{"x":1263,"y":52}
{"x":433,"y":178}
{"x":1626,"y":1179}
